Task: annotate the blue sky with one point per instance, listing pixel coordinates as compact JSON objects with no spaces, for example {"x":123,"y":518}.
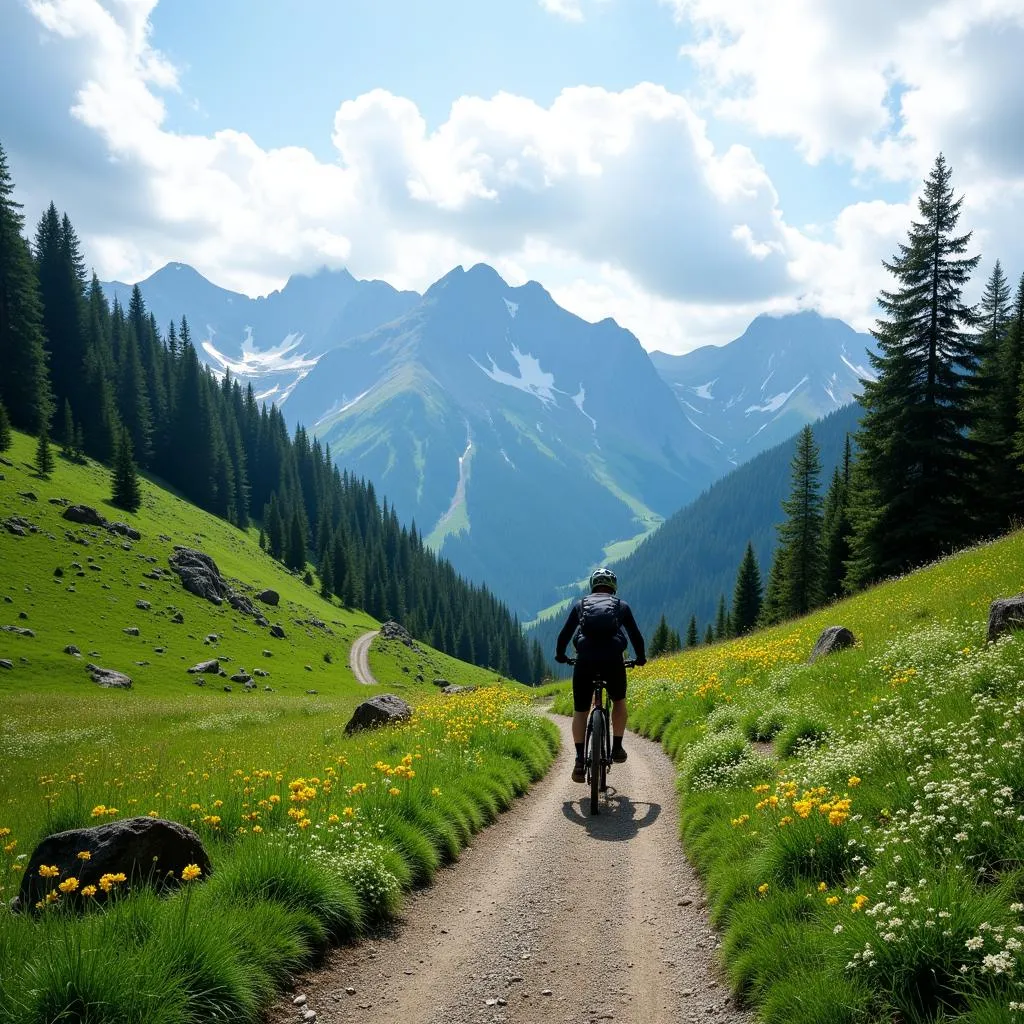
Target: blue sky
{"x":680,"y":165}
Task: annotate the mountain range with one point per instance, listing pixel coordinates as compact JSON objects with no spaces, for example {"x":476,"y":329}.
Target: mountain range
{"x":526,"y":443}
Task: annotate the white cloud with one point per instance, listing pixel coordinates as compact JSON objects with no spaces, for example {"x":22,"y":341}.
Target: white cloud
{"x":571,"y":10}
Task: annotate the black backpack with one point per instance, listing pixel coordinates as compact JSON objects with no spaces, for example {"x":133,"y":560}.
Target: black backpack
{"x":600,"y":619}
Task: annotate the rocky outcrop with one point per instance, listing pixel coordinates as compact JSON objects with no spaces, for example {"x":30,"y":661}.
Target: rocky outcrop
{"x":835,"y":638}
{"x":384,"y":709}
{"x":452,"y":689}
{"x":83,"y":514}
{"x":147,"y":851}
{"x":392,"y":630}
{"x":109,"y":678}
{"x":271,"y":597}
{"x":199,"y":575}
{"x":213,"y":665}
{"x":1005,"y":616}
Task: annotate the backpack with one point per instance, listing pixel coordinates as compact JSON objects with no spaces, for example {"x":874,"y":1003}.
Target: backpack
{"x":600,"y":619}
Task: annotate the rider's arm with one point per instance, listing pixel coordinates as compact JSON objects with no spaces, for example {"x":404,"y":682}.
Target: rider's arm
{"x":567,"y":631}
{"x":636,"y":638}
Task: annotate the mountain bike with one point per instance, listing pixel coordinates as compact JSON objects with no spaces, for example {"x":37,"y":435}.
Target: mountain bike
{"x":597,"y":743}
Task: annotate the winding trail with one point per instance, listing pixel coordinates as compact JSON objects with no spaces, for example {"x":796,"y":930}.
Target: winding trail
{"x":359,"y":658}
{"x":551,"y":915}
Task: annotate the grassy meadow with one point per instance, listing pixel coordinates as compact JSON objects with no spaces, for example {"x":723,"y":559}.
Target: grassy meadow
{"x":314,"y":836}
{"x":859,"y":822}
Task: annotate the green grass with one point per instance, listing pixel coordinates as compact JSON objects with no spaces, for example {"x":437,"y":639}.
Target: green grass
{"x":314,"y":836}
{"x":868,"y":865}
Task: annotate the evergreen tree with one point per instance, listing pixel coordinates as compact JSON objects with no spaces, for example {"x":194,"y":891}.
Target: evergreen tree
{"x":913,"y":471}
{"x":837,"y":528}
{"x":709,"y":636}
{"x":124,"y":479}
{"x":67,"y":434}
{"x":675,"y":643}
{"x":773,"y":606}
{"x":691,"y":632}
{"x":295,"y":556}
{"x":721,"y":620}
{"x":800,"y":533}
{"x":24,"y":380}
{"x":746,"y":599}
{"x":659,"y":639}
{"x":6,"y":439}
{"x":539,"y":669}
{"x":44,"y":454}
{"x":326,"y":578}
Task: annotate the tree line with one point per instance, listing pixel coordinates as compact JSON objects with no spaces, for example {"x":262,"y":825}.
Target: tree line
{"x":107,"y":383}
{"x":938,"y":460}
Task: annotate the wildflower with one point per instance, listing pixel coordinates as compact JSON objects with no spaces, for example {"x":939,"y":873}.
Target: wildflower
{"x":822,"y":887}
{"x":394,"y":791}
{"x":763,"y":888}
{"x":48,"y":871}
{"x":89,"y":890}
{"x":333,"y":819}
{"x":348,"y":812}
{"x":853,"y":781}
{"x":52,"y":896}
{"x":68,"y":885}
{"x":832,"y":900}
{"x":190,"y":872}
{"x":436,"y":791}
{"x":859,"y":903}
{"x":83,"y":855}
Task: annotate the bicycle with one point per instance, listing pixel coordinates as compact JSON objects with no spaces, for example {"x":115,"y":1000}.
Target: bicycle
{"x":597,"y":742}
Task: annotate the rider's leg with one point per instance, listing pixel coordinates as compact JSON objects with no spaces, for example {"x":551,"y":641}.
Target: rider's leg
{"x":579,"y":726}
{"x":581,"y":700}
{"x":618,"y":719}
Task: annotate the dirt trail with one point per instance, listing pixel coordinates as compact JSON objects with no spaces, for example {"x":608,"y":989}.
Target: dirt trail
{"x":560,"y":916}
{"x":359,"y":658}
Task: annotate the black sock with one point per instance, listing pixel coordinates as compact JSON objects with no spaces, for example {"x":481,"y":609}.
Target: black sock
{"x":616,"y":743}
{"x":579,"y":751}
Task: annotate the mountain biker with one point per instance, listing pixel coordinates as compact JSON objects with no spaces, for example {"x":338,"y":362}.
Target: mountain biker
{"x":598,"y":625}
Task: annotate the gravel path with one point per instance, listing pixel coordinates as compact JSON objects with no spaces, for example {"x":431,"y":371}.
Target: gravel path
{"x":359,"y":658}
{"x":550,"y":915}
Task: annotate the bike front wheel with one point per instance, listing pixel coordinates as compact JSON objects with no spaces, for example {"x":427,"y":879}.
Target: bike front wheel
{"x":597,"y":741}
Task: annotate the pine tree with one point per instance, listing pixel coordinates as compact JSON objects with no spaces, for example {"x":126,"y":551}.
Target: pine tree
{"x":709,"y":636}
{"x":295,"y":556}
{"x":6,"y":438}
{"x":836,"y":529}
{"x":746,"y":599}
{"x":912,"y":498}
{"x":44,"y":453}
{"x":691,"y":632}
{"x":773,"y":607}
{"x":124,"y":479}
{"x":659,"y":640}
{"x":68,"y":432}
{"x":24,"y":380}
{"x":326,"y":579}
{"x":721,"y":620}
{"x":675,"y":643}
{"x":800,"y":533}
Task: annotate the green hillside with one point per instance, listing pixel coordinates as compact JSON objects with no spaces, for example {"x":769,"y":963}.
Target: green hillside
{"x":314,"y":836}
{"x":859,"y":822}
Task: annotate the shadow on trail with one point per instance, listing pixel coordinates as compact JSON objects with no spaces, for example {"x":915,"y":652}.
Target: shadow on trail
{"x":620,"y":818}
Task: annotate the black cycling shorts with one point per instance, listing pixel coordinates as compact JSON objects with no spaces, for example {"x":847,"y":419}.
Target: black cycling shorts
{"x":613,"y":672}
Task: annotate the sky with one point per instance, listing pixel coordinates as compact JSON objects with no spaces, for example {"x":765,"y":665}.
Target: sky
{"x":679,"y":165}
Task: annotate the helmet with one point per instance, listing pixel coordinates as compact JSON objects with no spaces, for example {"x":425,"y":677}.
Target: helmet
{"x":603,"y":578}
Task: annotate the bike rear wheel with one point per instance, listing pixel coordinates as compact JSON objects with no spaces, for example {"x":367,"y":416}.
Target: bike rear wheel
{"x":597,"y":740}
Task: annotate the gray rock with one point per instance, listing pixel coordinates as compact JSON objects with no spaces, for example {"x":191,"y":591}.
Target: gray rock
{"x":7,"y":664}
{"x":199,"y":574}
{"x":199,"y":681}
{"x":28,"y":495}
{"x":213,"y":665}
{"x":268,"y":654}
{"x":313,"y":693}
{"x":109,"y":678}
{"x":18,"y":526}
{"x":227,"y":689}
{"x":834,"y":638}
{"x":259,"y":672}
{"x":60,"y":501}
{"x":211,"y":638}
{"x":271,"y":597}
{"x":242,"y":604}
{"x":384,"y":709}
{"x":22,"y":615}
{"x":124,"y":530}
{"x":442,"y":682}
{"x":143,"y":606}
{"x":392,"y":630}
{"x":278,"y":631}
{"x":452,"y":689}
{"x":18,"y":630}
{"x":241,"y":677}
{"x":131,"y":630}
{"x":73,"y":651}
{"x":149,"y":851}
{"x":177,"y":618}
{"x":58,"y":572}
{"x":83,"y":514}
{"x":1005,"y":615}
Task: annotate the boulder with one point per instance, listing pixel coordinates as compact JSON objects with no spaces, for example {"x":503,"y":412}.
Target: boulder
{"x":242,"y":604}
{"x":6,"y":663}
{"x":148,"y":851}
{"x":124,"y":530}
{"x":834,"y":638}
{"x":442,"y":682}
{"x":131,"y":630}
{"x":18,"y":630}
{"x":1005,"y":615}
{"x":213,"y":665}
{"x":392,"y":630}
{"x":83,"y":514}
{"x":199,"y":574}
{"x":384,"y":709}
{"x":109,"y":678}
{"x":452,"y":689}
{"x":278,"y":631}
{"x":73,"y":651}
{"x":143,"y":606}
{"x":271,"y":597}
{"x":58,"y":572}
{"x":177,"y":618}
{"x":241,"y":677}
{"x":17,"y":525}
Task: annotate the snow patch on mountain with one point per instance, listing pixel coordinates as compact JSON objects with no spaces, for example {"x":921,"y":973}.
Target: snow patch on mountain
{"x":704,"y":390}
{"x":532,"y":379}
{"x":578,"y":399}
{"x":706,"y":433}
{"x":777,"y":401}
{"x":512,"y":307}
{"x":256,"y":363}
{"x":859,"y":370}
{"x":504,"y":455}
{"x":337,"y":409}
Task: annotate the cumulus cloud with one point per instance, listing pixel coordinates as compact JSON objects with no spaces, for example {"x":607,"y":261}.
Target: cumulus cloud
{"x":571,"y":10}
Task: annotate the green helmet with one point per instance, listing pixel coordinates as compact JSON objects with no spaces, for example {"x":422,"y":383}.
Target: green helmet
{"x":603,"y":578}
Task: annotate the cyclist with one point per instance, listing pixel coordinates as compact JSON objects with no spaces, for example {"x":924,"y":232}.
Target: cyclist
{"x":598,"y":625}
